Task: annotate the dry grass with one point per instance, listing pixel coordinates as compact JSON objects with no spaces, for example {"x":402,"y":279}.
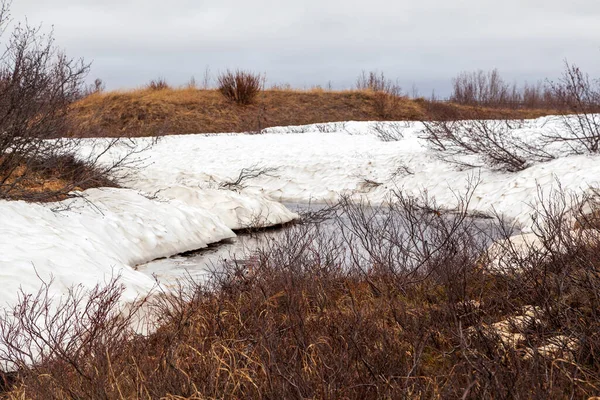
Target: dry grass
{"x":300,"y":320}
{"x":51,"y":178}
{"x":239,"y":86}
{"x":145,"y":112}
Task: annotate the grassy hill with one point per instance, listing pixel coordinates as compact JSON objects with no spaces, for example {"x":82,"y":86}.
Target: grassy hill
{"x":146,"y":112}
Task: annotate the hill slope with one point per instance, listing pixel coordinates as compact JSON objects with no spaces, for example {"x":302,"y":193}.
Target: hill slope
{"x":183,"y":111}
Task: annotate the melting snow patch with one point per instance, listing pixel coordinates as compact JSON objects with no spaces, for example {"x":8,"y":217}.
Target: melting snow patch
{"x":110,"y":231}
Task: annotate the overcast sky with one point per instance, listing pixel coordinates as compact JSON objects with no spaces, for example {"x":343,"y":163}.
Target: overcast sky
{"x":311,"y":42}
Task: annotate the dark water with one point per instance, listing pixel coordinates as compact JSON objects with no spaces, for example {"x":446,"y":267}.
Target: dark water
{"x":201,"y":262}
{"x":342,"y":228}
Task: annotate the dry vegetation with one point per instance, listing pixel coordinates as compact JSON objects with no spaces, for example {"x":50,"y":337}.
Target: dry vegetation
{"x":241,"y":104}
{"x":240,"y":87}
{"x":147,"y":112}
{"x":405,"y":305}
{"x":52,"y":178}
{"x":38,"y":83}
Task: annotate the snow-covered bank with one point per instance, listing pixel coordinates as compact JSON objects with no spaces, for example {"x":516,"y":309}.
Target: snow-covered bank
{"x":185,"y":206}
{"x":110,"y":231}
{"x":320,"y":162}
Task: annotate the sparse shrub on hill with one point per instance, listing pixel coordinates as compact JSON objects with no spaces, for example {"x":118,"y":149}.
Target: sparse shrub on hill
{"x":95,"y":87}
{"x":373,"y":81}
{"x":482,"y":88}
{"x":191,"y":84}
{"x":281,"y":87}
{"x":387,"y":94}
{"x":158,"y":84}
{"x":539,"y":95}
{"x":489,"y":89}
{"x":240,"y":87}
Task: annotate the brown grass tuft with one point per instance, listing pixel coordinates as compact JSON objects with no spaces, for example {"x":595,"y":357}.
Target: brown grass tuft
{"x":240,"y":87}
{"x":158,"y":84}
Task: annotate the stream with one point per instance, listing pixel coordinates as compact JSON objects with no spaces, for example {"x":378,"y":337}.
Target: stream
{"x":200,"y":264}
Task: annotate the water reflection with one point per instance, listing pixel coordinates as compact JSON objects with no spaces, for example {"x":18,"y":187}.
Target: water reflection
{"x":368,"y":236}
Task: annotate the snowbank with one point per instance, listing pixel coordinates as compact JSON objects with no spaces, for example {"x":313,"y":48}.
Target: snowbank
{"x":318,"y":163}
{"x":110,"y":231}
{"x":114,"y":229}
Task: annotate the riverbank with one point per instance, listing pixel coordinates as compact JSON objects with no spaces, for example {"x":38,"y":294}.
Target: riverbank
{"x":192,"y":190}
{"x":104,"y":233}
{"x":408,"y":306}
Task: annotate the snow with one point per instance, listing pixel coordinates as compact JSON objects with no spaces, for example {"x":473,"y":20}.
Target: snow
{"x":177,"y":202}
{"x":110,"y":231}
{"x":319,"y":163}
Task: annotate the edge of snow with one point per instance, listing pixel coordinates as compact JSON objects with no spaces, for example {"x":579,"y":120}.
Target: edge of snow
{"x":107,"y":232}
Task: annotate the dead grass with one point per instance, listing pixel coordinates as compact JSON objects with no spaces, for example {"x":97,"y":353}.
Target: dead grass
{"x":300,"y":320}
{"x":146,"y":112}
{"x":51,"y":178}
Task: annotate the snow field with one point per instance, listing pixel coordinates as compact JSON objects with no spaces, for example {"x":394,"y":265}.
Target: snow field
{"x":110,"y":231}
{"x":176,"y":203}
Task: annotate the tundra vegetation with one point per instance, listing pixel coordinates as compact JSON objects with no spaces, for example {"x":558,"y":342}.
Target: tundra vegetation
{"x":38,"y":86}
{"x":407,"y":301}
{"x":410,"y":301}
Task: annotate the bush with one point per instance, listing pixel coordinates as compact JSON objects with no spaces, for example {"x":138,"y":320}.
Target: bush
{"x":239,"y":86}
{"x":579,"y":96}
{"x":96,"y":87}
{"x":489,"y":89}
{"x":38,"y":84}
{"x":481,"y":88}
{"x":493,"y":143}
{"x":403,"y":303}
{"x":158,"y":84}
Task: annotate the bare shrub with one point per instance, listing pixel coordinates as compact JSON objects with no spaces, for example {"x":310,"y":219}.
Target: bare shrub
{"x":240,"y":87}
{"x":63,"y":346}
{"x":158,"y":84}
{"x":481,"y":88}
{"x":38,"y":84}
{"x":207,"y":78}
{"x":245,"y":175}
{"x":539,"y":95}
{"x":373,"y":81}
{"x":97,"y":86}
{"x":331,"y":127}
{"x":580,"y":97}
{"x":387,"y":95}
{"x":400,"y":303}
{"x":191,"y":84}
{"x":401,"y":171}
{"x":489,"y":89}
{"x":474,"y":143}
{"x":389,"y":131}
{"x":284,"y":87}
